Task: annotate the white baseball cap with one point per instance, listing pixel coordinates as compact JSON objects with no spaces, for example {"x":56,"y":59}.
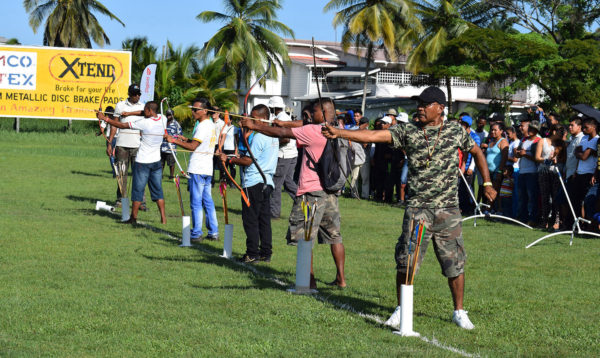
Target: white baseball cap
{"x":387,"y":119}
{"x":403,"y":117}
{"x":276,"y":102}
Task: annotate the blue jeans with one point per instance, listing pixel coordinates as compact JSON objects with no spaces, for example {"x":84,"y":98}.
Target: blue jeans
{"x":201,"y":199}
{"x":528,"y":197}
{"x":147,"y":173}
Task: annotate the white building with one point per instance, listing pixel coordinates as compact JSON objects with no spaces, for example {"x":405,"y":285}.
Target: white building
{"x":341,"y":77}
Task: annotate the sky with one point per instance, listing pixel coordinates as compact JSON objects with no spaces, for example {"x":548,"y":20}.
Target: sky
{"x":173,"y":20}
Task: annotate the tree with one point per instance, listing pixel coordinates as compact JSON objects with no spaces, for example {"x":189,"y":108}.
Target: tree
{"x":248,"y":40}
{"x":372,"y":24}
{"x":559,"y":19}
{"x":69,"y":23}
{"x":143,"y":53}
{"x":443,"y":21}
{"x":568,"y":73}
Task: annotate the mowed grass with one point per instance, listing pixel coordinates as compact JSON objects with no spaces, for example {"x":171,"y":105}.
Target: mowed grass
{"x":76,"y":282}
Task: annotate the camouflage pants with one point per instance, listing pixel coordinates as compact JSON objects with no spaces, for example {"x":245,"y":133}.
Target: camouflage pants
{"x":444,"y":228}
{"x":326,"y":223}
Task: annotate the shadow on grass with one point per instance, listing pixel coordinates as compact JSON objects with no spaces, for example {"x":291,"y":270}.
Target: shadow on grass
{"x":87,"y":174}
{"x":82,"y":198}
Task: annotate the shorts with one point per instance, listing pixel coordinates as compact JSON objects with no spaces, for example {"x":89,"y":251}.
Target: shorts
{"x":326,"y":222}
{"x":147,"y":173}
{"x":404,"y":175}
{"x":167,"y":157}
{"x":444,"y":227}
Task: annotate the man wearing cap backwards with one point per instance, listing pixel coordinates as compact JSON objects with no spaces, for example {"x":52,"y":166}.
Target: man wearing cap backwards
{"x":431,"y":146}
{"x":286,"y":161}
{"x":128,"y":141}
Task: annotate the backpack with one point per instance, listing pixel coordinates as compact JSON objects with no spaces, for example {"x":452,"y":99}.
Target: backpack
{"x":334,"y":166}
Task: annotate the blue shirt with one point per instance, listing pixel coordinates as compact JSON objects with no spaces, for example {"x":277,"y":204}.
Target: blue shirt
{"x":470,"y":157}
{"x":265,"y":149}
{"x":174,"y":129}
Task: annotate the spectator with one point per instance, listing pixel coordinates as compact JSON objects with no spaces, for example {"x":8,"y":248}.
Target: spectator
{"x":496,"y":156}
{"x":167,"y":155}
{"x":382,"y":160}
{"x":575,"y":129}
{"x":219,"y":124}
{"x":483,"y":135}
{"x":528,"y":181}
{"x":109,"y":112}
{"x":465,"y":201}
{"x":513,"y":161}
{"x":547,"y":156}
{"x":393,"y":115}
{"x":587,"y":154}
{"x":286,"y":160}
{"x":365,"y":169}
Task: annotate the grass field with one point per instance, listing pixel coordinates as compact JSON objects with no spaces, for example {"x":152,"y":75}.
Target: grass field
{"x":76,"y":282}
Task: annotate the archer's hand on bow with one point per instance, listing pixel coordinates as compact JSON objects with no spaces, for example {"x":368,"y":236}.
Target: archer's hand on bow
{"x":169,"y":138}
{"x":490,"y":193}
{"x":100,"y":115}
{"x":330,"y":132}
{"x":222,"y":157}
{"x":247,"y":123}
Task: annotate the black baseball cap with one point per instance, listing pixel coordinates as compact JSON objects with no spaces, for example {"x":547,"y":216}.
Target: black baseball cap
{"x":430,"y":95}
{"x":134,"y":90}
{"x":364,"y":120}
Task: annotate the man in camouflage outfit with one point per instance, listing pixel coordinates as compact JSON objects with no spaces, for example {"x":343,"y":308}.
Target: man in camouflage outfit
{"x":432,"y":149}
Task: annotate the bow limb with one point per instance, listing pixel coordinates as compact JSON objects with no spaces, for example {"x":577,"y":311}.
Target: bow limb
{"x":170,"y":145}
{"x":244,"y":137}
{"x":219,"y":150}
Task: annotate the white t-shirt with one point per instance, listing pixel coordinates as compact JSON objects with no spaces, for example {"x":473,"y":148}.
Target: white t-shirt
{"x":201,"y":160}
{"x":527,"y":166}
{"x":218,"y":126}
{"x":152,"y":137}
{"x":128,"y":138}
{"x":511,"y":152}
{"x":289,"y":150}
{"x":230,"y":132}
{"x":572,"y":161}
{"x":588,"y":166}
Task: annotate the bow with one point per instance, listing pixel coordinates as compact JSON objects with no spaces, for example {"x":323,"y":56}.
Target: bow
{"x":317,"y":79}
{"x":169,"y":144}
{"x":220,"y":150}
{"x":262,"y":174}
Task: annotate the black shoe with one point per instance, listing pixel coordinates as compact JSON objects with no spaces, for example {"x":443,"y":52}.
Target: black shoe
{"x":197,"y":240}
{"x":265,"y":259}
{"x":143,"y":207}
{"x":212,"y":237}
{"x":248,"y":259}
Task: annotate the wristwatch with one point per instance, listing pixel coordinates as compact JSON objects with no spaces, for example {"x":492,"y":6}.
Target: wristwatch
{"x":487,"y":183}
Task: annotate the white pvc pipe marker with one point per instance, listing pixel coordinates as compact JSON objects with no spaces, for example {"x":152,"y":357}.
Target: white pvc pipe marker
{"x":101,"y":205}
{"x":185,"y":236}
{"x":303,"y":258}
{"x":406,"y":302}
{"x":228,"y":241}
{"x":124,"y":209}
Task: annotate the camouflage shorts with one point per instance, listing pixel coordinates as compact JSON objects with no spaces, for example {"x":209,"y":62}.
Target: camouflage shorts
{"x":326,"y":223}
{"x":444,"y":226}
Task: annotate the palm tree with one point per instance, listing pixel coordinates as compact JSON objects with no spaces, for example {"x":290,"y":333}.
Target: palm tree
{"x":248,"y":40}
{"x":443,"y":20}
{"x":143,"y":53}
{"x":372,"y":23}
{"x":69,"y":23}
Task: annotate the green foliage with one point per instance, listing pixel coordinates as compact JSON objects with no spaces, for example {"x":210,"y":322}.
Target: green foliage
{"x":248,"y":40}
{"x":76,"y":282}
{"x":69,"y":23}
{"x":568,"y":73}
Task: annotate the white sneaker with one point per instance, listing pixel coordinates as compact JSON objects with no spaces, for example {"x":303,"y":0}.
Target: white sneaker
{"x":462,"y":320}
{"x":395,"y":318}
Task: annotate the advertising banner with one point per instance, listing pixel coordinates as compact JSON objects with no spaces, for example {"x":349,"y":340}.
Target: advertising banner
{"x":147,"y":83}
{"x":53,"y":82}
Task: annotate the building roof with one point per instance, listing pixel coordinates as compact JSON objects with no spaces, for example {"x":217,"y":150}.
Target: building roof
{"x":308,"y":61}
{"x":351,"y":72}
{"x":379,"y":54}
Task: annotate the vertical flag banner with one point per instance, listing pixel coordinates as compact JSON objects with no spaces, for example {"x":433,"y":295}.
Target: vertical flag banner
{"x":147,"y":83}
{"x":66,"y":83}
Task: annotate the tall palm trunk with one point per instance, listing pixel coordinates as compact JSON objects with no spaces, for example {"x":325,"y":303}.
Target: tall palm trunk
{"x":449,"y":89}
{"x":369,"y":56}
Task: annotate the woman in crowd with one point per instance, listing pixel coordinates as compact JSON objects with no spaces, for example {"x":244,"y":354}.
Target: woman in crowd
{"x":550,"y":155}
{"x":496,"y":155}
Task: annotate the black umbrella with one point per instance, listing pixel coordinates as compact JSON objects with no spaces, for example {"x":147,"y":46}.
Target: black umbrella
{"x":588,"y":111}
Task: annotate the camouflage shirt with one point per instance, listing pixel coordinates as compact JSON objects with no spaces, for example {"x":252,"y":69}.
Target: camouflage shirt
{"x":432,"y":185}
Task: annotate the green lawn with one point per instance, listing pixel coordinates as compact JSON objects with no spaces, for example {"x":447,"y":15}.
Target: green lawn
{"x":76,"y":282}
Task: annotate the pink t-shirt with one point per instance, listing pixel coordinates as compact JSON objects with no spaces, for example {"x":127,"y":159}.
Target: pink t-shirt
{"x":310,"y":138}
